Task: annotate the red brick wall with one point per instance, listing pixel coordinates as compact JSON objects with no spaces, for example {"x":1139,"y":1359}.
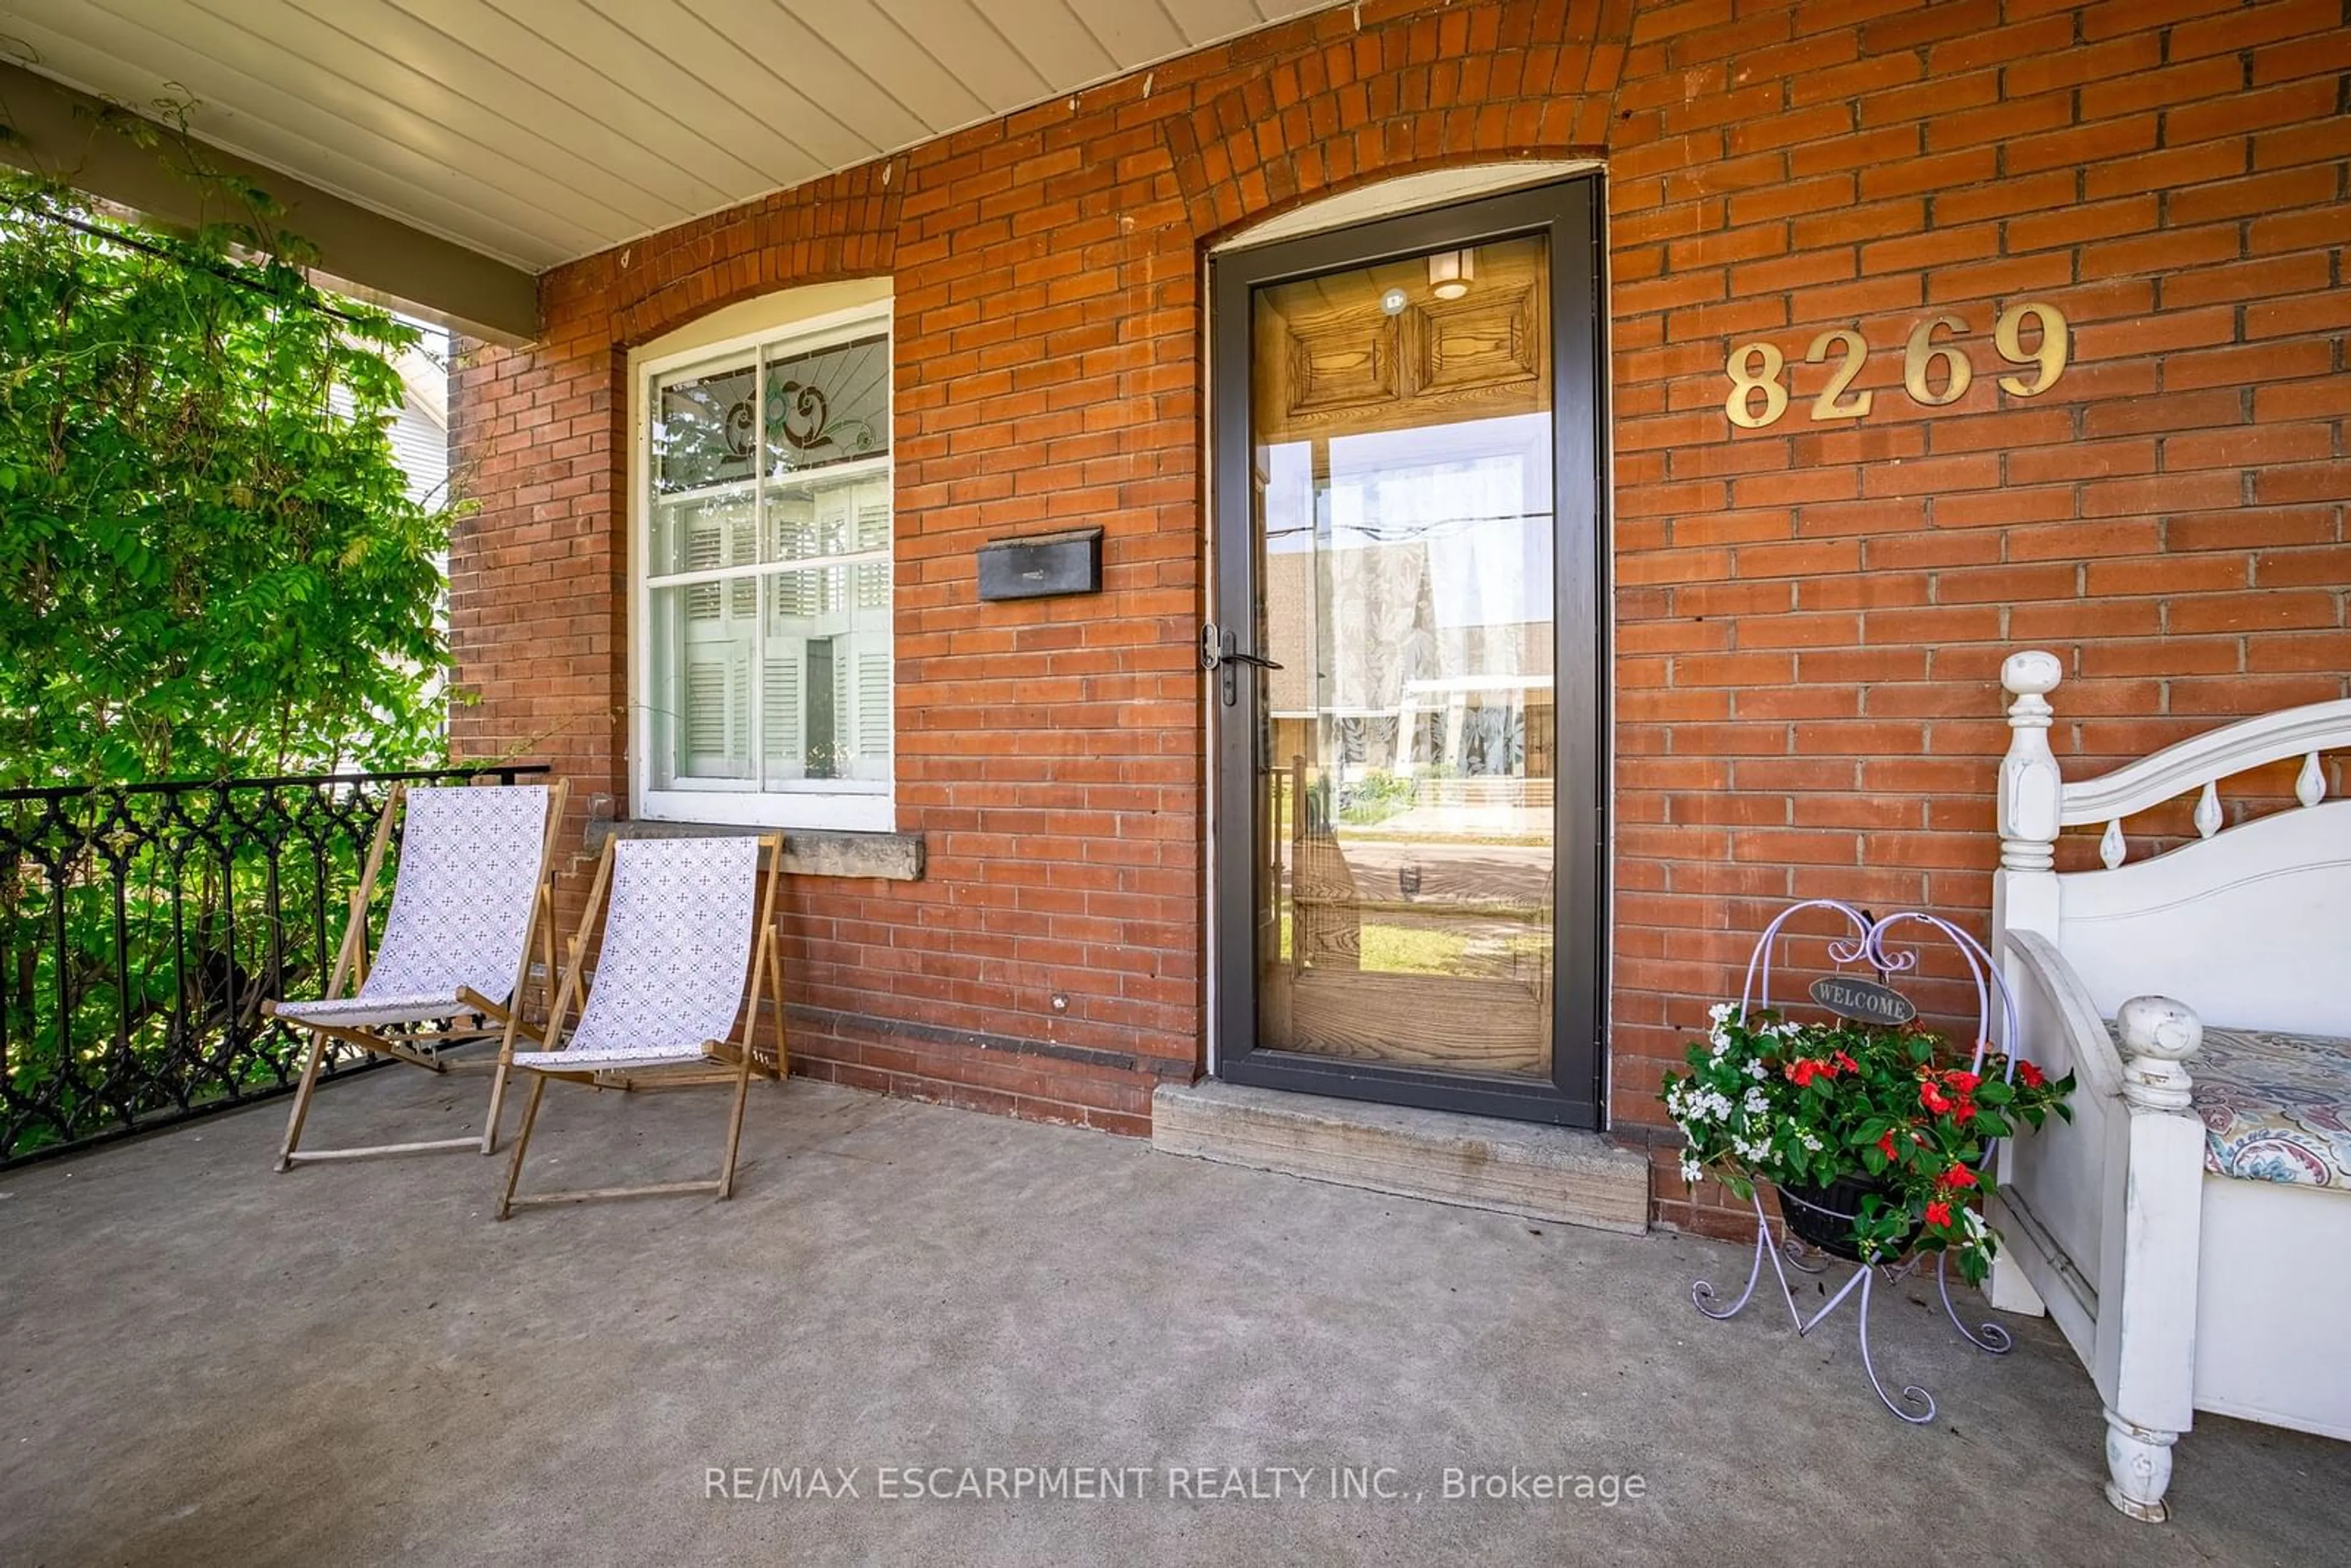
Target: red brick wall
{"x":1809,"y":616}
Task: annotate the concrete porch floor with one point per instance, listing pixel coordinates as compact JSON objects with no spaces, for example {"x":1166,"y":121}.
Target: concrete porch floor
{"x":204,"y":1362}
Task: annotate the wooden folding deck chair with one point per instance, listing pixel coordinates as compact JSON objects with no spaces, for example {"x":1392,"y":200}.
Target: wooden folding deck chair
{"x":668,"y":983}
{"x":471,"y":891}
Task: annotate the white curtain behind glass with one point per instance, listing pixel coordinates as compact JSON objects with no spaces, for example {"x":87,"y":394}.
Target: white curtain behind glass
{"x":1439,"y":560}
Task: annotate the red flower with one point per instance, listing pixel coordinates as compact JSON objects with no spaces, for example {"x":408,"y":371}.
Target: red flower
{"x":1938,"y":1214}
{"x":2029,"y":1073}
{"x":1885,"y":1145}
{"x":1848,"y":1062}
{"x":1959,"y":1175}
{"x":1931,"y":1095}
{"x":1800,"y":1071}
{"x":1965,"y":1082}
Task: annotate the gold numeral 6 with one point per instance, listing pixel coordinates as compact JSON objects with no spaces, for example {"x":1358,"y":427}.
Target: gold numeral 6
{"x":2050,"y":354}
{"x":1765,"y":381}
{"x":1922,"y":348}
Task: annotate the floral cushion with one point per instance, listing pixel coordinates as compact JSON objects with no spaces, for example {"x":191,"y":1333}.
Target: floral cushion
{"x":2275,"y":1106}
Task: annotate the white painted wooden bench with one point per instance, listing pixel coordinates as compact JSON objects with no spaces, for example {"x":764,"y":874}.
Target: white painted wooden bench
{"x":2191,"y":1229}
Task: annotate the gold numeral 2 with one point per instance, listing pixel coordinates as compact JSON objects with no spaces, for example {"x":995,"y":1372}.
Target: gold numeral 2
{"x":1826,"y":405}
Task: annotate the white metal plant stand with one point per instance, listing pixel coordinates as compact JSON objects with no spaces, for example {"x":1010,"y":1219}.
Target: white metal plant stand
{"x":1868,"y":945}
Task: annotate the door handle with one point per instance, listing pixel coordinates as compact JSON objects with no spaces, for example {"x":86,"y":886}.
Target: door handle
{"x":1220,"y":647}
{"x":1219,"y":651}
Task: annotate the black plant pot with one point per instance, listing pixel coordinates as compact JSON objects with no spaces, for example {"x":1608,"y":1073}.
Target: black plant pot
{"x":1823,"y":1216}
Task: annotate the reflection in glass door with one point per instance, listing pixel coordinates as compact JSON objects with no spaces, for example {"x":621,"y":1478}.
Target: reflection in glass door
{"x":1401,"y":748}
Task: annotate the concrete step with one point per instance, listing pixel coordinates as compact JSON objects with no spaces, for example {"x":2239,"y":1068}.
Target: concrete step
{"x":1557,"y":1174}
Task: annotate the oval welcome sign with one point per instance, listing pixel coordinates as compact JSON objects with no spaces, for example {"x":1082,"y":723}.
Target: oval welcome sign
{"x":1863,"y":1001}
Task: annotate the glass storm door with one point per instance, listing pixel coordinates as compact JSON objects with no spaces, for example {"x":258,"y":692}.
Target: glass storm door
{"x":1403,"y":667}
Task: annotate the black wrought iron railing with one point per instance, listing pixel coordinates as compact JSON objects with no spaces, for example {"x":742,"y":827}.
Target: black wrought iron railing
{"x":141,"y":928}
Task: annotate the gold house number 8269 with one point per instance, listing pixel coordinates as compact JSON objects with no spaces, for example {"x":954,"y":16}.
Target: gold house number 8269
{"x":1933,"y":373}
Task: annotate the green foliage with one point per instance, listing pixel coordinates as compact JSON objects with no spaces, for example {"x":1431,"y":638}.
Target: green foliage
{"x":1770,"y":1099}
{"x":1375,"y":796}
{"x":210,"y":566}
{"x":213,"y":564}
{"x":1413,"y":950}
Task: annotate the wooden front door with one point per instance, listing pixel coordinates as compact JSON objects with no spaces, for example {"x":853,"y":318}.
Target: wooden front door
{"x":1406,"y":659}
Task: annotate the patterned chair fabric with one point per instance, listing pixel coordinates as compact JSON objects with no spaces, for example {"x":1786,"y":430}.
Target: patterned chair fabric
{"x":2275,"y":1107}
{"x":469,"y":863}
{"x":676,"y":953}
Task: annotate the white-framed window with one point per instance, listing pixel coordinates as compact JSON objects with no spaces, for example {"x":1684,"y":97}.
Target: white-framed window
{"x":760,"y":530}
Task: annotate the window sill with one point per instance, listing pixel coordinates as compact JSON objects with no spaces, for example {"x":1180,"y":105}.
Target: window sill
{"x":862,"y":811}
{"x":808,"y":852}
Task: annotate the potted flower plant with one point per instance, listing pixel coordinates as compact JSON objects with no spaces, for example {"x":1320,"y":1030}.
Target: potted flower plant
{"x":1875,"y":1144}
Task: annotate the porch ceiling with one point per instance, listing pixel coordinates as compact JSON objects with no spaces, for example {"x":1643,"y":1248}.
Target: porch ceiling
{"x":537,"y":132}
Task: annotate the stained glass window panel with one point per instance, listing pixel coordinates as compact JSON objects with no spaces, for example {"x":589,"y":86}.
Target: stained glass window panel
{"x":828,"y":406}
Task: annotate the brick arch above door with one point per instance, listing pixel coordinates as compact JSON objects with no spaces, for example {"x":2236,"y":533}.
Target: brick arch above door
{"x":1396,"y":96}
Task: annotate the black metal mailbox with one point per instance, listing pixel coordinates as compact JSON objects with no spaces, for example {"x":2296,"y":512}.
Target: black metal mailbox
{"x":1042,"y":565}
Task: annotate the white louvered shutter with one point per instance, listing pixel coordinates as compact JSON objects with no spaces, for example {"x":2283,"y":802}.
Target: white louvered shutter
{"x":782,"y":706}
{"x":872,"y":730}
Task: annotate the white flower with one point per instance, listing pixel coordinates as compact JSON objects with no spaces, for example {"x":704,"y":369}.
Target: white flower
{"x":1756,"y":1104}
{"x":1721,"y":1012}
{"x":1755,"y":1070}
{"x":1691,"y":1169}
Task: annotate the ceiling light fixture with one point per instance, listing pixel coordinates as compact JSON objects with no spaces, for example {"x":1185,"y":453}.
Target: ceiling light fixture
{"x":1450,"y":273}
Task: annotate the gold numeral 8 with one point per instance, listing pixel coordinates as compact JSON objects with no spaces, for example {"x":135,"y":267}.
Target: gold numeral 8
{"x":2050,"y":354}
{"x":1765,"y":381}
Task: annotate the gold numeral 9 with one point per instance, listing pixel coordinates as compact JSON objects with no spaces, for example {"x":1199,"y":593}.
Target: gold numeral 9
{"x":2049,"y":354}
{"x":1765,"y":381}
{"x":1922,"y":348}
